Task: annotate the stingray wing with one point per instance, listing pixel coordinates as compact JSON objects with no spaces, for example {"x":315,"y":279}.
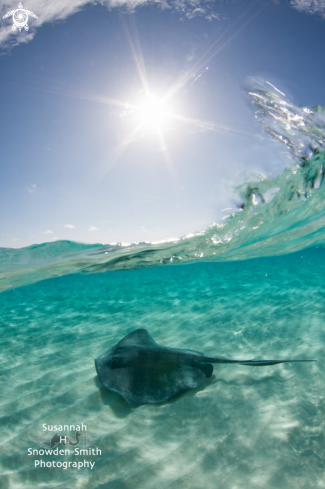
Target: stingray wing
{"x":143,"y":338}
{"x":137,"y":337}
{"x":118,"y":368}
{"x":192,"y":352}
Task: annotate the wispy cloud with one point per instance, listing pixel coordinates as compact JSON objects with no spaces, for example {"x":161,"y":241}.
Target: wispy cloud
{"x":93,"y":228}
{"x":32,"y":188}
{"x":70,"y":226}
{"x":310,"y":6}
{"x":47,"y":232}
{"x":61,"y":9}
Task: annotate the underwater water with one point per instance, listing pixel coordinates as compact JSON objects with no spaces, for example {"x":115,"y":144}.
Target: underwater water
{"x":251,"y":287}
{"x":243,"y":427}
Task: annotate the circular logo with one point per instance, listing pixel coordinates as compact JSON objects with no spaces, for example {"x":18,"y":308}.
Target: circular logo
{"x":20,"y":18}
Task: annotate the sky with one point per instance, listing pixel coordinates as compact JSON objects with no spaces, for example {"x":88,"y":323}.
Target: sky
{"x":126,"y":121}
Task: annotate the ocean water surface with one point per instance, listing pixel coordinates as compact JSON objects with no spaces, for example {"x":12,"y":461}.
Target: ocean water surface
{"x":249,"y":287}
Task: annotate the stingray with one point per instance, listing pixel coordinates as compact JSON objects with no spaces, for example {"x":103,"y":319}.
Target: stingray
{"x":143,"y":372}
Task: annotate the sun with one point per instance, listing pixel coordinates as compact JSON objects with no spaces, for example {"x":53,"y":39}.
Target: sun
{"x":153,"y":112}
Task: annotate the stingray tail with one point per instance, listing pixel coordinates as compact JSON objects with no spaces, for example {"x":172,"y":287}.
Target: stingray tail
{"x":263,"y":363}
{"x":253,"y":363}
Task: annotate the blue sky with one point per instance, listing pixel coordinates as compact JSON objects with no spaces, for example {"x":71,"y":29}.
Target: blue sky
{"x":85,"y":156}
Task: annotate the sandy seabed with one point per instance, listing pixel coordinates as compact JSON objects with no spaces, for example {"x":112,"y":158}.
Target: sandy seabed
{"x":242,"y":428}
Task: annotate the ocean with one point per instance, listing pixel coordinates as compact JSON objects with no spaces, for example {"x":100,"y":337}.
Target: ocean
{"x":249,"y":287}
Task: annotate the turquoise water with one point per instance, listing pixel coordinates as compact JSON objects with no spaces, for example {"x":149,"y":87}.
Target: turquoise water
{"x":243,"y":427}
{"x":249,"y":287}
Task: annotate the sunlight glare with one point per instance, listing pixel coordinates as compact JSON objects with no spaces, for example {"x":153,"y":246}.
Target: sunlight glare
{"x":153,"y":112}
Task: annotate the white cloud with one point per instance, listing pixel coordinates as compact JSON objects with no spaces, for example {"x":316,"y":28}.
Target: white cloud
{"x":191,"y":13}
{"x":310,"y":6}
{"x":32,"y":188}
{"x":70,"y":226}
{"x":61,"y":9}
{"x":47,"y":232}
{"x":93,"y":228}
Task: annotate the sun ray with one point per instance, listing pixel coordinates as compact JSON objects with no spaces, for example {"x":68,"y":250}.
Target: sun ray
{"x":109,"y":165}
{"x":210,"y":125}
{"x":136,"y":51}
{"x":167,"y":156}
{"x":69,"y":92}
{"x":208,"y":56}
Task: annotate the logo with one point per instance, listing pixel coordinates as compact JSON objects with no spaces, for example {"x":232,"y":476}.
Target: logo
{"x":43,"y":441}
{"x":20,"y":17}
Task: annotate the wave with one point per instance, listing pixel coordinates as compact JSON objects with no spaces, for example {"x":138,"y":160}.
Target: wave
{"x":276,"y":216}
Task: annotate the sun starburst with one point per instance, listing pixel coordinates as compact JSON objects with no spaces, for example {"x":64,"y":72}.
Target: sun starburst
{"x":153,"y":112}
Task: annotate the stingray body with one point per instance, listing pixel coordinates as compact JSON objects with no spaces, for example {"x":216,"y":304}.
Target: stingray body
{"x":143,"y":372}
